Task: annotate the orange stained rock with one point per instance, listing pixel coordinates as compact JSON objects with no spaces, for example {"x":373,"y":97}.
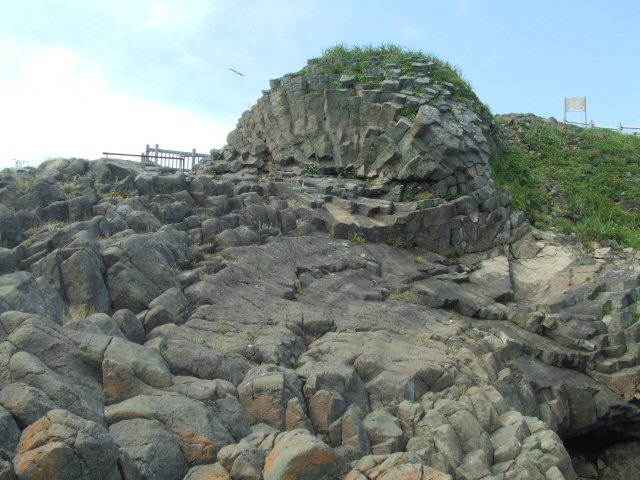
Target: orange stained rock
{"x":36,"y":435}
{"x":46,"y":463}
{"x":196,"y":447}
{"x":311,"y":461}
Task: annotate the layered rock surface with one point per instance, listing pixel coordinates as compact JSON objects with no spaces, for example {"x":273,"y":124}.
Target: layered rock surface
{"x":236,"y":335}
{"x":419,"y":149}
{"x":256,"y":320}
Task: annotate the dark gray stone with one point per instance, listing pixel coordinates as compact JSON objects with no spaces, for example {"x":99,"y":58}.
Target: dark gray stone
{"x":8,"y":261}
{"x":10,"y":232}
{"x":143,"y":221}
{"x":186,"y":418}
{"x":26,"y":403}
{"x":130,"y":325}
{"x":68,"y":446}
{"x":154,"y":448}
{"x":20,"y":291}
{"x":9,"y":434}
{"x":82,"y":275}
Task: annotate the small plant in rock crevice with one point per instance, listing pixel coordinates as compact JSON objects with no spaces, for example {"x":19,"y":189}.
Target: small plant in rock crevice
{"x":311,"y":170}
{"x":357,"y":238}
{"x":409,"y":113}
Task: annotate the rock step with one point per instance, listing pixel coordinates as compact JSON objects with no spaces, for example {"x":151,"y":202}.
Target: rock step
{"x":368,"y":207}
{"x":630,"y":358}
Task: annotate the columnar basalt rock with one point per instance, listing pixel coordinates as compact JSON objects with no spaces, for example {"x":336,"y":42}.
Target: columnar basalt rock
{"x":245,"y":325}
{"x":417,"y":149}
{"x":407,"y":130}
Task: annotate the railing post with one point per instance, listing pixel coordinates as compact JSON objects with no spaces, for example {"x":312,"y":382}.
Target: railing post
{"x":193,"y":159}
{"x":620,"y":126}
{"x":156,"y":153}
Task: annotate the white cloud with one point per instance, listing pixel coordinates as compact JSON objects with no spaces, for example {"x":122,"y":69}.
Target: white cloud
{"x":59,"y":105}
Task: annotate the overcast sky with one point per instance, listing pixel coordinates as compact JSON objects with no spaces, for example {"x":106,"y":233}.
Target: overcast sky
{"x":79,"y":77}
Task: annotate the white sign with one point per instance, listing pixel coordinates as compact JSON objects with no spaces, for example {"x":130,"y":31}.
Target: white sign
{"x":575,"y":104}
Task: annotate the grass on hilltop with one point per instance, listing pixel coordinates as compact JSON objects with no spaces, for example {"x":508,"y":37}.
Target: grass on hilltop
{"x":571,"y":179}
{"x":360,"y":61}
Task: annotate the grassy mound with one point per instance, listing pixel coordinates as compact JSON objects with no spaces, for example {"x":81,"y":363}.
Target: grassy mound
{"x":361,"y":62}
{"x":572,"y":179}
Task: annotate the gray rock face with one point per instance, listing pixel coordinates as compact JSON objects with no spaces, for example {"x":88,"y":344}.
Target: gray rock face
{"x":186,"y":358}
{"x":273,"y":396}
{"x":82,"y":275}
{"x":153,"y":448}
{"x":199,"y":433}
{"x":9,"y":434}
{"x":10,"y":233}
{"x":62,"y":445}
{"x":298,"y":454}
{"x":140,"y":267}
{"x":26,"y":403}
{"x":289,"y":325}
{"x":129,"y":325}
{"x":20,"y":291}
{"x":306,"y":120}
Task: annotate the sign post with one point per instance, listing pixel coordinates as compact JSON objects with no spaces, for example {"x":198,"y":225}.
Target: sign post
{"x":575,"y":104}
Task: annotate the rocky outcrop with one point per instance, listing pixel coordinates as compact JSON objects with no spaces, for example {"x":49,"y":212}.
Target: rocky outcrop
{"x":403,"y":134}
{"x":245,"y":326}
{"x":61,"y":445}
{"x":393,"y":127}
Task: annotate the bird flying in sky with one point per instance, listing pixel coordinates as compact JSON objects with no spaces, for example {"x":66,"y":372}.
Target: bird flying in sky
{"x":237,"y":72}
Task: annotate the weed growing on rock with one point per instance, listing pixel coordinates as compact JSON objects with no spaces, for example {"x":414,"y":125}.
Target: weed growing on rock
{"x":361,"y":62}
{"x":451,"y":195}
{"x":116,"y":195}
{"x":357,"y":238}
{"x":407,"y":196}
{"x":407,"y":296}
{"x":347,"y":173}
{"x":409,"y":113}
{"x":68,"y":189}
{"x":311,"y":170}
{"x":423,"y":196}
{"x":397,"y":242}
{"x":79,"y":312}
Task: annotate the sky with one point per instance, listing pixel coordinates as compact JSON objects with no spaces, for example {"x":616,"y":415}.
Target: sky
{"x":79,"y":78}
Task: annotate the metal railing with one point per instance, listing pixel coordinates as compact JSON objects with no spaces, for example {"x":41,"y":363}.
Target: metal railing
{"x":620,"y":128}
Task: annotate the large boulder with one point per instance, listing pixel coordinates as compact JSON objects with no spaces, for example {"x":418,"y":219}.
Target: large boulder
{"x":10,"y":232}
{"x":273,"y":395}
{"x":153,"y":448}
{"x":22,"y":292}
{"x":63,"y":446}
{"x":9,"y":434}
{"x":298,"y":454}
{"x":84,"y":286}
{"x":200,"y":434}
{"x":26,"y":403}
{"x":139,"y":268}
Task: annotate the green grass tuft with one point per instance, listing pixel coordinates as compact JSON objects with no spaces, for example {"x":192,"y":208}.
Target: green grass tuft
{"x":359,"y":61}
{"x":576,"y":180}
